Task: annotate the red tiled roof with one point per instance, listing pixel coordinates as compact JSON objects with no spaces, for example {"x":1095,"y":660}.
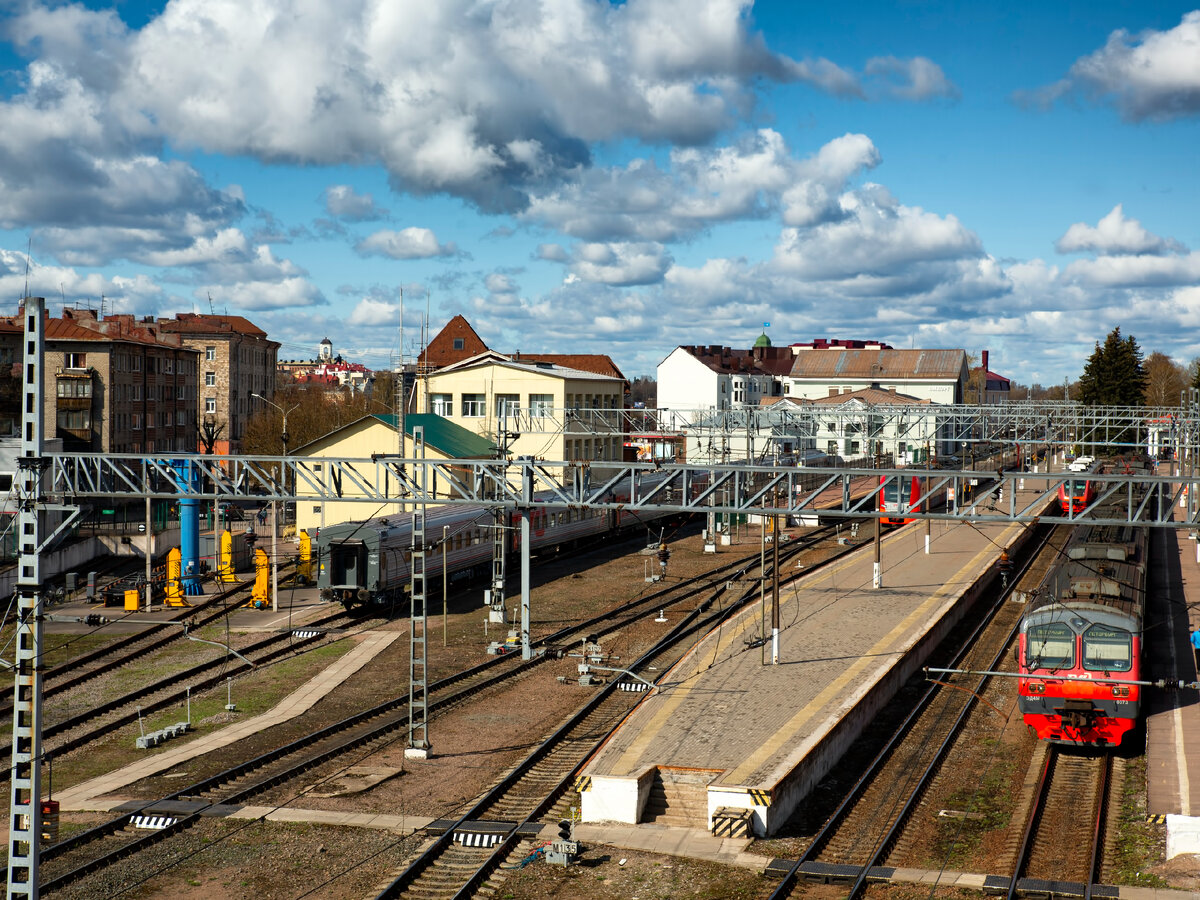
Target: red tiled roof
{"x":441,"y":352}
{"x":597,"y":363}
{"x":759,"y":361}
{"x":199,"y":323}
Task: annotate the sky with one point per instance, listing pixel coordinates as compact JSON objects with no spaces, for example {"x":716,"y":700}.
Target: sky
{"x":580,"y":176}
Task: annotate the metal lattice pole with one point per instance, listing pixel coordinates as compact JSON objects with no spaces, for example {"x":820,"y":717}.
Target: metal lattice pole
{"x":418,"y":668}
{"x":24,"y":819}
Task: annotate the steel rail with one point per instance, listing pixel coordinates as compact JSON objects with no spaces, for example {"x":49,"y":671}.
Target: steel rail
{"x":595,"y":624}
{"x":1030,"y":829}
{"x":695,"y":621}
{"x":901,"y":732}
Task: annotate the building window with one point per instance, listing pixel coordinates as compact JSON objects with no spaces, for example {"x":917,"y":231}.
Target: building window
{"x":210,"y":404}
{"x":137,"y":392}
{"x":441,"y":404}
{"x":474,"y":406}
{"x":135,"y":422}
{"x":76,"y":360}
{"x":137,"y":364}
{"x":210,"y":353}
{"x":508,"y":405}
{"x":75,"y":419}
{"x":74,"y":387}
{"x":541,"y":405}
{"x":459,"y":343}
{"x":169,"y":366}
{"x":210,"y":379}
{"x":180,"y":417}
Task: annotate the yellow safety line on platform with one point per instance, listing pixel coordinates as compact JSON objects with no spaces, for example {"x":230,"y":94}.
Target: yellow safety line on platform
{"x":678,"y":690}
{"x":787,"y":734}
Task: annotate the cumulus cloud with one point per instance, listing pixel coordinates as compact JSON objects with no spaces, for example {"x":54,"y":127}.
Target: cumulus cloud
{"x":408,"y":243}
{"x":1114,"y":234}
{"x":751,"y":178}
{"x":482,"y":101}
{"x":343,"y":202}
{"x":1154,"y":75}
{"x":258,"y":295}
{"x":910,"y":79}
{"x":620,"y":265}
{"x":374,"y":311}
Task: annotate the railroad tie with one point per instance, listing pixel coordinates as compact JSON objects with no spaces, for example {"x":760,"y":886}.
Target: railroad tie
{"x":153,"y":823}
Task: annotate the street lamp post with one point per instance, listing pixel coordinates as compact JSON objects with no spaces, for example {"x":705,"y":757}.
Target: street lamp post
{"x":283,"y":436}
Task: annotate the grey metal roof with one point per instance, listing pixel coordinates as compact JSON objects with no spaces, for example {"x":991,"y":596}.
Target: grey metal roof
{"x":878,"y":364}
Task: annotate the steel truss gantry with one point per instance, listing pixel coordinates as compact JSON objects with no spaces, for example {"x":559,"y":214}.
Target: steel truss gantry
{"x":521,"y":483}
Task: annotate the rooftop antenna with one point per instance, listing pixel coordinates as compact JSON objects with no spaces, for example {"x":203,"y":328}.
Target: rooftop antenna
{"x":211,"y":311}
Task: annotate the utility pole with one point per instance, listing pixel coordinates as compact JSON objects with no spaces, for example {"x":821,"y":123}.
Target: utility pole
{"x":25,"y":819}
{"x":418,"y":666}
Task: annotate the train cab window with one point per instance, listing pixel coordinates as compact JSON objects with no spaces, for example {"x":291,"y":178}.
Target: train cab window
{"x":1050,"y":646}
{"x":1107,"y":649}
{"x":904,"y":489}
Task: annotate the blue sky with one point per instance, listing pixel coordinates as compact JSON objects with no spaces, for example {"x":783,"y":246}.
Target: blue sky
{"x":579,"y":176}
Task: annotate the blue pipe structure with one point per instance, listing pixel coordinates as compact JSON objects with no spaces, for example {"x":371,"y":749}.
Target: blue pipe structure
{"x":187,"y":478}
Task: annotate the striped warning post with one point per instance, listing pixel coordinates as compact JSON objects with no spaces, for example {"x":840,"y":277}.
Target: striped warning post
{"x":635,"y":687}
{"x":582,"y":783}
{"x":305,"y":635}
{"x":153,"y":823}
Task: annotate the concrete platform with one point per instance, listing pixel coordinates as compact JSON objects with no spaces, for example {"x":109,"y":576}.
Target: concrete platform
{"x":730,"y":730}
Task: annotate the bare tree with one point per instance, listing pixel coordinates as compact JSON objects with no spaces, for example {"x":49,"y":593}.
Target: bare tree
{"x":1164,"y":380}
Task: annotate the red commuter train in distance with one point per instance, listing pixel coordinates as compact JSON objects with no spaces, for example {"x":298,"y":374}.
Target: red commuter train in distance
{"x":898,"y":494}
{"x":1080,"y":641}
{"x":1076,"y":495}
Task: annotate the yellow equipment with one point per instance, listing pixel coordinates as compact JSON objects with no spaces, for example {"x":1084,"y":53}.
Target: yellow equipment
{"x":260,"y":596}
{"x":175,"y":578}
{"x":304,"y":570}
{"x":225,"y":568}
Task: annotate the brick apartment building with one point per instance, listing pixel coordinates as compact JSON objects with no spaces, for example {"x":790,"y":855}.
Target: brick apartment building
{"x":112,"y":385}
{"x":236,"y":360}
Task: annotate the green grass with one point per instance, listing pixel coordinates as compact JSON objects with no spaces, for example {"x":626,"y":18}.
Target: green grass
{"x":1139,"y":844}
{"x":989,"y":805}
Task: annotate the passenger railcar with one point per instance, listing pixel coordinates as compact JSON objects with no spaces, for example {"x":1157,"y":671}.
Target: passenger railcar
{"x":896,"y":495}
{"x":1076,"y":494}
{"x":1080,"y":641}
{"x":370,"y":562}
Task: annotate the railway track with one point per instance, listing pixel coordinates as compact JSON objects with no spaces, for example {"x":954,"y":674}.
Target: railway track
{"x":869,"y":825}
{"x":73,"y":859}
{"x":1060,"y":849}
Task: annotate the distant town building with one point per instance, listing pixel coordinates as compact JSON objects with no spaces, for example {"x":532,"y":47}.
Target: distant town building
{"x":715,"y":377}
{"x":327,"y":370}
{"x":991,"y":388}
{"x":237,"y":359}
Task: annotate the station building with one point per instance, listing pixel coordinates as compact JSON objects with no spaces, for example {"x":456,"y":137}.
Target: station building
{"x":361,"y":439}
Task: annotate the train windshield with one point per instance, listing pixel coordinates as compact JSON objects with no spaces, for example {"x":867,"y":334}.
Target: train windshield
{"x":893,"y":491}
{"x":1078,"y":488}
{"x":1107,"y":649}
{"x":1050,"y":646}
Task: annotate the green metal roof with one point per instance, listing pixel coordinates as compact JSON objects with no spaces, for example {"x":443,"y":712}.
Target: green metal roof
{"x":453,"y":441}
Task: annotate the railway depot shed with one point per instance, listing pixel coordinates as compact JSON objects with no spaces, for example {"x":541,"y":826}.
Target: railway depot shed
{"x":377,"y":434}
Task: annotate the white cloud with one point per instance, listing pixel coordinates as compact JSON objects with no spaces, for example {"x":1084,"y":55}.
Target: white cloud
{"x":1137,"y":271}
{"x":343,"y":202}
{"x":373,"y":311}
{"x":621,"y":265}
{"x":408,"y":243}
{"x":749,"y":179}
{"x":1115,"y":234}
{"x":258,"y":295}
{"x":910,"y":79}
{"x":1154,"y":75}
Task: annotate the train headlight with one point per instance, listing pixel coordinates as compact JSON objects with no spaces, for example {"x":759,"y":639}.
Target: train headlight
{"x":1036,"y":687}
{"x":1120,"y":691}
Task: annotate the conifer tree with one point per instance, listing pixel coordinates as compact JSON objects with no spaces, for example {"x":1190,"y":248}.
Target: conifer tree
{"x":1114,"y":374}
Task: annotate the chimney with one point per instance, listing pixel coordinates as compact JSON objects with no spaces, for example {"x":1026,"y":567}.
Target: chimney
{"x":983,"y":361}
